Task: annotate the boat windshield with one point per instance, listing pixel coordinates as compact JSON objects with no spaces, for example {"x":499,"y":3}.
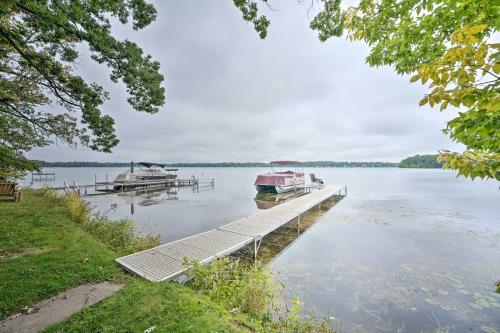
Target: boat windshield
{"x":149,"y":165}
{"x":287,"y":166}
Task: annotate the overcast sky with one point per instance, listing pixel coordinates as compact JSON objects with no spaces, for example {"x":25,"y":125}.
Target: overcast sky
{"x":234,"y":97}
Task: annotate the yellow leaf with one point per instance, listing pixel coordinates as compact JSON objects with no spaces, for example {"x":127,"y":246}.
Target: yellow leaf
{"x":443,"y":106}
{"x":475,"y":29}
{"x":415,"y":78}
{"x":496,"y":68}
{"x":431,"y":101}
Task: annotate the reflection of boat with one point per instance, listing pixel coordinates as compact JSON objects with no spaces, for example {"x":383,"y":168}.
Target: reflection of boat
{"x":148,"y":173}
{"x":281,"y":181}
{"x":268,"y":200}
{"x":262,"y":204}
{"x":148,"y":197}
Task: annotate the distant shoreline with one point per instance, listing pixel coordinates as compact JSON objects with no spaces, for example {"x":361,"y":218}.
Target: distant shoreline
{"x":321,"y":164}
{"x":309,"y":164}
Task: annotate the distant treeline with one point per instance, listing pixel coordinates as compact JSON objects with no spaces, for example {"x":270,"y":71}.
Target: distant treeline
{"x":323,"y":164}
{"x":420,"y":161}
{"x":82,"y":164}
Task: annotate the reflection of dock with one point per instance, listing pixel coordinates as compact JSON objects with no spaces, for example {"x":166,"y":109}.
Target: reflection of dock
{"x":166,"y":261}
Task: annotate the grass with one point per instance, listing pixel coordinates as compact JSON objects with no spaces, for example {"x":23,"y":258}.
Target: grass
{"x":141,"y":305}
{"x":43,"y":252}
{"x":250,"y":289}
{"x":50,"y":243}
{"x":119,"y":235}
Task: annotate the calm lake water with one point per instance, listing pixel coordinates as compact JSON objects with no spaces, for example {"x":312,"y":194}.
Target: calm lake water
{"x":407,"y":250}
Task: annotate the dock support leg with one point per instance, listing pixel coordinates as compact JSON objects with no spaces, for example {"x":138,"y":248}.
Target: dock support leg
{"x":256,"y":246}
{"x":298,"y":225}
{"x":254,"y":251}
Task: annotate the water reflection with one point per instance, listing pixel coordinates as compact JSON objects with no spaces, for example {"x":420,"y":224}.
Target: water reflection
{"x":276,"y":242}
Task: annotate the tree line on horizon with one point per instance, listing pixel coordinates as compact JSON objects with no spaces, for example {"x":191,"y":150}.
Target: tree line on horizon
{"x":417,"y":161}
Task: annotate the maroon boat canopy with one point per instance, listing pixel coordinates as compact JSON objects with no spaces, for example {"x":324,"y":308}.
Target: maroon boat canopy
{"x":286,"y":162}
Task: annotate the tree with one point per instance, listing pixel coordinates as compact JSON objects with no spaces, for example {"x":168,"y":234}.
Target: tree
{"x":446,"y":45}
{"x":421,"y":161}
{"x":39,"y":43}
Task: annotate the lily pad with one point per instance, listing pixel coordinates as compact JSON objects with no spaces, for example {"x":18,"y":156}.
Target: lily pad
{"x":459,"y":285}
{"x":488,"y":329}
{"x":442,"y":292}
{"x":476,"y":306}
{"x":445,"y":307}
{"x":483,"y":303}
{"x":432,"y":301}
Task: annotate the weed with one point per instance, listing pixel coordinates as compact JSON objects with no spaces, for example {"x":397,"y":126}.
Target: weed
{"x":251,"y":290}
{"x":119,"y":235}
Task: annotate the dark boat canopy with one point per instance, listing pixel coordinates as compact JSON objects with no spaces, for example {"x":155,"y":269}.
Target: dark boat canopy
{"x":286,"y":163}
{"x":149,"y":164}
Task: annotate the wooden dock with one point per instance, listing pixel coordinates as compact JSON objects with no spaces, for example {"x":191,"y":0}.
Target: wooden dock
{"x":166,"y":261}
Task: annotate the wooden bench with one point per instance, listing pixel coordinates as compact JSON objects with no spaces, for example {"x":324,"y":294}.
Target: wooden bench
{"x":10,"y":189}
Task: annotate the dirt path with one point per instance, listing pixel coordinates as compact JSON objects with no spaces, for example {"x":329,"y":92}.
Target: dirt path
{"x":58,"y":308}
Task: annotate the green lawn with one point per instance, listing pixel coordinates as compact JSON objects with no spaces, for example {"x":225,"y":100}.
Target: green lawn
{"x":142,"y":304}
{"x":43,"y":252}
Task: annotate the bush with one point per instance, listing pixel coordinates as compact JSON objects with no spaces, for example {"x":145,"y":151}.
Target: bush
{"x":119,"y":235}
{"x":251,"y":290}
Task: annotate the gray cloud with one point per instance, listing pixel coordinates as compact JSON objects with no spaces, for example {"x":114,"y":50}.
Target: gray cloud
{"x":234,"y":97}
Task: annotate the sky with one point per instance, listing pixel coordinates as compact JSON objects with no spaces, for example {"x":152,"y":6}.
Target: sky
{"x":231,"y":96}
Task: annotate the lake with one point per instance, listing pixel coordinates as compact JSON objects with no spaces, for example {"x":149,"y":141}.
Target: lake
{"x":408,"y":250}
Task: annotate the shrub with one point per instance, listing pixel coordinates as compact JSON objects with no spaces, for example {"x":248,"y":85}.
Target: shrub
{"x":251,"y":290}
{"x":119,"y":235}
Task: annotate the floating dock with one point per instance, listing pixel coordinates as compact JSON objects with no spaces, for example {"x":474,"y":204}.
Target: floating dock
{"x":166,"y":262}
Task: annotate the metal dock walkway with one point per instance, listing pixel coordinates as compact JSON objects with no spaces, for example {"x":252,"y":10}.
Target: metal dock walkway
{"x":167,"y":261}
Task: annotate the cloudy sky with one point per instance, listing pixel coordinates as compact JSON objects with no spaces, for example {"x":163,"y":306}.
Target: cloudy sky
{"x":234,"y":97}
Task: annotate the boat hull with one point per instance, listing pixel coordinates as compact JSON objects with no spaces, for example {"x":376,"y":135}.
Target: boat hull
{"x":143,"y":178}
{"x":276,"y":188}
